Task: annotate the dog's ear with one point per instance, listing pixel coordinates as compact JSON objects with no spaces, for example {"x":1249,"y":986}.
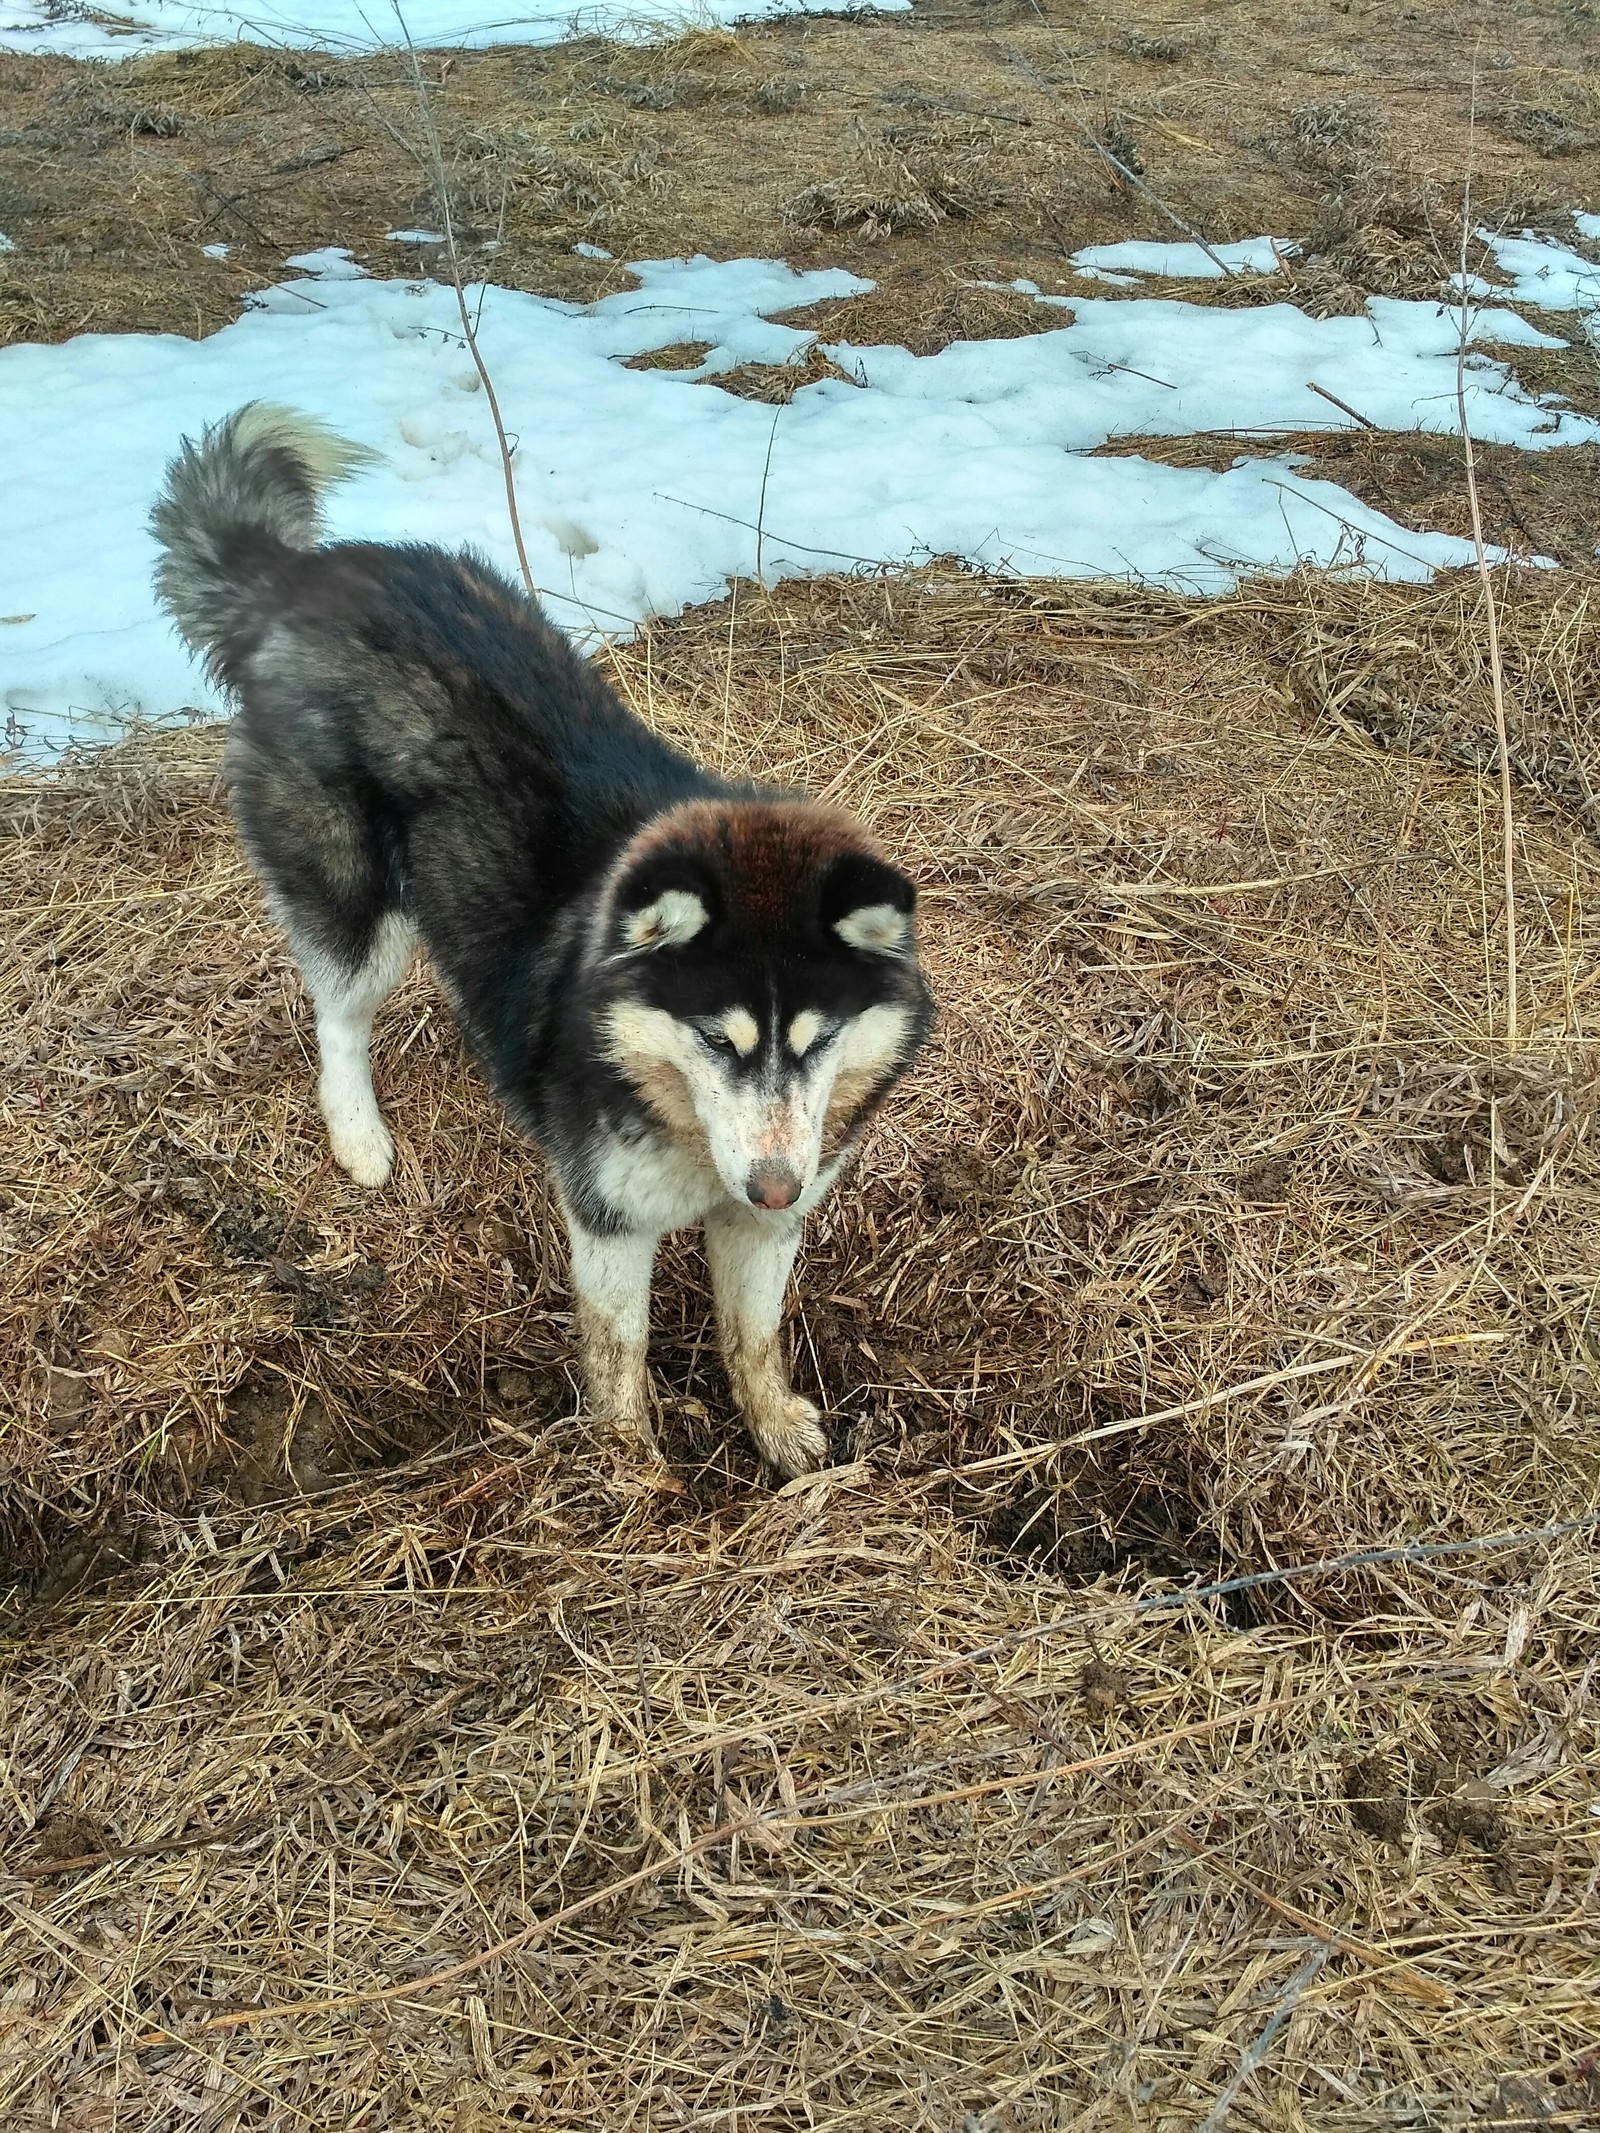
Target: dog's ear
{"x":869,"y":905}
{"x":666,"y":901}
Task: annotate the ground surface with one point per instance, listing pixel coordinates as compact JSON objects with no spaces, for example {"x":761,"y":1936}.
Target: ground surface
{"x":1223,"y":1231}
{"x":1220,"y":1233}
{"x":932,"y":151}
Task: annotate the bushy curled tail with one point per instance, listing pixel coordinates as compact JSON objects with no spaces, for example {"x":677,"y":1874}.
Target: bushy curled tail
{"x":251,"y":487}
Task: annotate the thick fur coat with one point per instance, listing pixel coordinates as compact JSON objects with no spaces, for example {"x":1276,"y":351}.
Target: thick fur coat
{"x":691,"y":992}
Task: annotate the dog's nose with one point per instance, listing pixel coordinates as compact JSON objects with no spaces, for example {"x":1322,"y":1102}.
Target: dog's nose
{"x":772,"y":1184}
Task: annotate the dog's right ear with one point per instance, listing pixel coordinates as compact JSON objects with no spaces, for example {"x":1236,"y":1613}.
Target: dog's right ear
{"x":666,"y":901}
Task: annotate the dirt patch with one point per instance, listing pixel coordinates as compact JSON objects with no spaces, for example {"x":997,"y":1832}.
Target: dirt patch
{"x":962,"y":141}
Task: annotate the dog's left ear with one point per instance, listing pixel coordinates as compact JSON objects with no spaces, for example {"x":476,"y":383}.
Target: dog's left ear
{"x":869,"y":904}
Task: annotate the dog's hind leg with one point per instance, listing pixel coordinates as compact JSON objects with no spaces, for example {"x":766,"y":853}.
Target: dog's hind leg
{"x":347,"y":996}
{"x":751,"y":1257}
{"x":330,"y":882}
{"x":611,"y":1284}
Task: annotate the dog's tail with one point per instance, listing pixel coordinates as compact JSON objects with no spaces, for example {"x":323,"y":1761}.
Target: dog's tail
{"x":231,"y":504}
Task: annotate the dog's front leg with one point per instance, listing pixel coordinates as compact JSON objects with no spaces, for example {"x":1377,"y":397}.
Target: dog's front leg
{"x":611,"y":1285}
{"x":751,"y":1256}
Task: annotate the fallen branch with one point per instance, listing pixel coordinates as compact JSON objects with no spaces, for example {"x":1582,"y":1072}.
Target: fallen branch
{"x":1093,"y":142}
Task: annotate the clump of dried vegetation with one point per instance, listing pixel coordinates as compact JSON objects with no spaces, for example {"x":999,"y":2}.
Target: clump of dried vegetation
{"x":1374,"y":231}
{"x":910,"y":176}
{"x":376,"y":1756}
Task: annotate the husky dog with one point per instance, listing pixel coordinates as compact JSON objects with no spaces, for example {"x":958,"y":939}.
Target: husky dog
{"x":692,"y":993}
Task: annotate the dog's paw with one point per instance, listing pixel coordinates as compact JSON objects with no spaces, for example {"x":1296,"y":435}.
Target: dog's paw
{"x":628,"y":1433}
{"x":789,"y":1436}
{"x":366,"y":1152}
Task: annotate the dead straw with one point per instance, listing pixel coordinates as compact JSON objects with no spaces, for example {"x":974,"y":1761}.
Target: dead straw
{"x":377,"y":1755}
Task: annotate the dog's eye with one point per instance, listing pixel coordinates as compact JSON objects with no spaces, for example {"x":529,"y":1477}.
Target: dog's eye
{"x":735,"y":1035}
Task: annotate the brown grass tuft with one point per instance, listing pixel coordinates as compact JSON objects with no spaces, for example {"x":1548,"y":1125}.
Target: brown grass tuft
{"x":925,"y":312}
{"x":907,"y":177}
{"x":1216,"y":1236}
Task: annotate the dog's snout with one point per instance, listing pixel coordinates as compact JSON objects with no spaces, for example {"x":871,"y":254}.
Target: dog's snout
{"x":772,"y":1184}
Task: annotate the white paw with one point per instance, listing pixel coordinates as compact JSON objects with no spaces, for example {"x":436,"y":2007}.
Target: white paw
{"x":365,"y":1151}
{"x":789,"y":1435}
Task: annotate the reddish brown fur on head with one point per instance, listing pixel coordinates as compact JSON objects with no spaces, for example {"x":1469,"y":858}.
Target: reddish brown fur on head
{"x":772,"y":852}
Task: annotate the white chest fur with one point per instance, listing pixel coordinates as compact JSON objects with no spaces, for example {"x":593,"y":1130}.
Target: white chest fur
{"x":653,"y":1184}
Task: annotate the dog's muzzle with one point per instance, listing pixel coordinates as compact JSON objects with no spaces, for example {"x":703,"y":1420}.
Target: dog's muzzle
{"x":773,"y":1185}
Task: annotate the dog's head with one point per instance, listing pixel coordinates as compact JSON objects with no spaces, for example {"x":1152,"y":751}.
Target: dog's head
{"x":760,"y":985}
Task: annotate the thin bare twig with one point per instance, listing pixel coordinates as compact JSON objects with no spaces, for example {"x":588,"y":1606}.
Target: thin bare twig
{"x":761,"y":506}
{"x":1497,"y":678}
{"x":468,"y":324}
{"x":1092,"y":141}
{"x":1343,"y":406}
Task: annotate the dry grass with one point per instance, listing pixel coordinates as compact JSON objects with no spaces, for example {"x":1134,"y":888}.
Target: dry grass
{"x":909,"y":176}
{"x":925,"y":311}
{"x":1218,"y":1234}
{"x":1543,"y":504}
{"x":968,"y":129}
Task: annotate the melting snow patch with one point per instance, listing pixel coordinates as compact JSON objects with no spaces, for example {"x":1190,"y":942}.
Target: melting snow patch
{"x":414,"y":236}
{"x":73,"y":32}
{"x":1180,"y":262}
{"x":332,"y":263}
{"x":1544,"y":274}
{"x":640,"y":490}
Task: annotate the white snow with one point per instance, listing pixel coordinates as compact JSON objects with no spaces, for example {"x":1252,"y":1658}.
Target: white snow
{"x":1179,"y":262}
{"x":593,"y":251}
{"x":641,"y":491}
{"x":1152,"y":366}
{"x":78,"y":30}
{"x":1588,"y":225}
{"x":5,"y":243}
{"x":414,"y":236}
{"x":216,"y":251}
{"x":332,"y":263}
{"x":1545,"y":274}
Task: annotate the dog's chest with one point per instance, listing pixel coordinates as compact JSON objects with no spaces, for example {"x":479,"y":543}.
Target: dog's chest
{"x":652,"y":1184}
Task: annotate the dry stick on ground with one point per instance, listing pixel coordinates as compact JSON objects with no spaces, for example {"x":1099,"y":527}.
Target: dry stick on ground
{"x":1092,"y":141}
{"x":1497,"y":679}
{"x":441,"y":183}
